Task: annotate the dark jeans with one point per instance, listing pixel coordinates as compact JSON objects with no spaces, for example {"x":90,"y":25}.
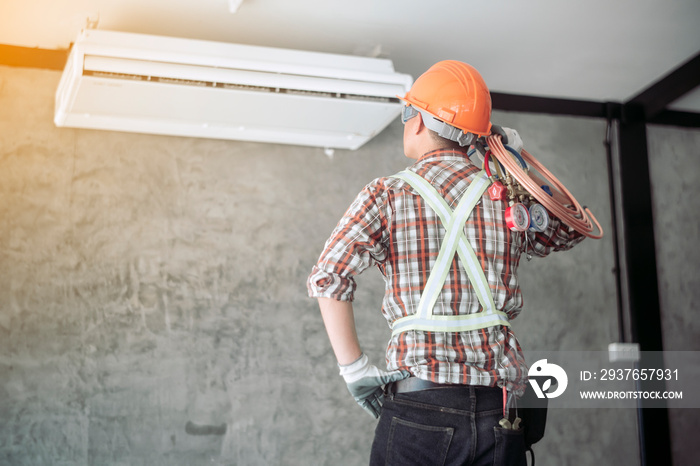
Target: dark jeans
{"x":445,"y":426}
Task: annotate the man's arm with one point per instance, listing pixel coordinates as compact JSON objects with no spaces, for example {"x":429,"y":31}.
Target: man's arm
{"x":363,"y":379}
{"x":339,"y":320}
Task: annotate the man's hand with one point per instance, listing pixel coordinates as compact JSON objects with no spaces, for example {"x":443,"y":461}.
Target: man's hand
{"x":514,"y":139}
{"x":365,"y":383}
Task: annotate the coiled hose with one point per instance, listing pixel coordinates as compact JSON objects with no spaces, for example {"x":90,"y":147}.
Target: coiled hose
{"x":561,"y":203}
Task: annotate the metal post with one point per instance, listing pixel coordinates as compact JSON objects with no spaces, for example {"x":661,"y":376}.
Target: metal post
{"x":640,"y":257}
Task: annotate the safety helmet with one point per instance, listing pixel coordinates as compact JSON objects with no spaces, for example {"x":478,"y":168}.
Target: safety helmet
{"x":454,"y":93}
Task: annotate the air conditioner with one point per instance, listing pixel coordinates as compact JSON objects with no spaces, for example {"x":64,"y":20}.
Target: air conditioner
{"x":181,"y":87}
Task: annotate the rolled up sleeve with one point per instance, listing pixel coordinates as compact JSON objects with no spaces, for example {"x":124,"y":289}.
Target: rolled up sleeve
{"x":557,"y":237}
{"x":355,"y":244}
{"x":322,"y":284}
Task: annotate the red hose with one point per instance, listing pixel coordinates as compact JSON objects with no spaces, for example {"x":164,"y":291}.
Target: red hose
{"x":561,"y":204}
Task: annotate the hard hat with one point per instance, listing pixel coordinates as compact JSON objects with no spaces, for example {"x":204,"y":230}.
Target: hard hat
{"x":454,"y":93}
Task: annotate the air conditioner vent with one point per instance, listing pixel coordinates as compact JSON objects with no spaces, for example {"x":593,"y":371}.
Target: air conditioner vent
{"x":160,"y":85}
{"x":240,"y":87}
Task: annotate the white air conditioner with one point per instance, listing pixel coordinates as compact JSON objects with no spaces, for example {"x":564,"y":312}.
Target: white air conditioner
{"x":162,"y":85}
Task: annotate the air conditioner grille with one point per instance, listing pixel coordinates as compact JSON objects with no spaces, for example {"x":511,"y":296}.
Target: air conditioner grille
{"x":244,"y":87}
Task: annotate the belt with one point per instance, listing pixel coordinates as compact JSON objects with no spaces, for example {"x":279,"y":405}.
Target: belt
{"x":414,"y":384}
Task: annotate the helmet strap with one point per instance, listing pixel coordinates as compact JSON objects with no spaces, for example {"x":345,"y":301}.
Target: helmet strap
{"x":447,"y":131}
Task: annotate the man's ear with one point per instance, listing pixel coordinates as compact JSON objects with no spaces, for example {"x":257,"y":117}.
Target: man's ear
{"x":418,"y":125}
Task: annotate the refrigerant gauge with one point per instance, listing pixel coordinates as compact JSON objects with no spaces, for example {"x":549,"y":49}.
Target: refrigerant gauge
{"x":539,"y":218}
{"x":517,"y":217}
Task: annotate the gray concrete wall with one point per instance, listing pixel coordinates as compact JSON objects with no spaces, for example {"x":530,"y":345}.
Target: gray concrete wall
{"x":674,"y":163}
{"x":153,"y":307}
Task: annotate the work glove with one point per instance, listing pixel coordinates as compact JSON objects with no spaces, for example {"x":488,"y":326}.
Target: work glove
{"x":514,"y":139}
{"x":365,"y":383}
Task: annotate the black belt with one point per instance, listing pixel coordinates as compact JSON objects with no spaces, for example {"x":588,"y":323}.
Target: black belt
{"x":414,"y":384}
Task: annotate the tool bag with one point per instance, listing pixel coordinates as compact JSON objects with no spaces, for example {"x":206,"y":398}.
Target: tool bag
{"x":534,"y":419}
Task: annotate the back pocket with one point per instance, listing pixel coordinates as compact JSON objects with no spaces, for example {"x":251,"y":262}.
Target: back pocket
{"x":510,"y":447}
{"x":410,"y":443}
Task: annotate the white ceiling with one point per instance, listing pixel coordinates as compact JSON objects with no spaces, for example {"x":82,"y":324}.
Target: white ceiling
{"x":602,"y":50}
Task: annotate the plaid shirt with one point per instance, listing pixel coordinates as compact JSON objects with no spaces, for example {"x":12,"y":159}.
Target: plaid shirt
{"x":390,"y":226}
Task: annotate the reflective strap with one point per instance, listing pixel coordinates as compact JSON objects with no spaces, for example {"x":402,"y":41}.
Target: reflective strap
{"x":455,"y":240}
{"x":452,"y":323}
{"x":454,"y":237}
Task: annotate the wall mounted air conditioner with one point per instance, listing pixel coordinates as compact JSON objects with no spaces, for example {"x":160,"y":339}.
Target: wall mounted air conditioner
{"x":162,"y":85}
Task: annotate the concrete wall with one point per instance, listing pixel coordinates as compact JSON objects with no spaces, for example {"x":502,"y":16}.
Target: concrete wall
{"x":675,"y":170}
{"x":153,"y":307}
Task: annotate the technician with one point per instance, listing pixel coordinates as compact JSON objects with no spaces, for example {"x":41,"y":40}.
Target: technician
{"x":450,"y":263}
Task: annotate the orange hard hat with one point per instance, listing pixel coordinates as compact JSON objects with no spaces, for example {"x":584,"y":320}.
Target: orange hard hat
{"x":455,"y":93}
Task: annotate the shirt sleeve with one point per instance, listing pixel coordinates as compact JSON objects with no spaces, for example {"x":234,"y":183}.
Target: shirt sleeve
{"x":356,"y":243}
{"x":557,"y":237}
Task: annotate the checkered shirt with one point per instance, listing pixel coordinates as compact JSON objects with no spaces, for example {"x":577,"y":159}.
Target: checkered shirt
{"x":391,"y":227}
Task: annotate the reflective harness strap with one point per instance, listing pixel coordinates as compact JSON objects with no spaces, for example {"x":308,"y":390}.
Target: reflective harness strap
{"x":455,"y":241}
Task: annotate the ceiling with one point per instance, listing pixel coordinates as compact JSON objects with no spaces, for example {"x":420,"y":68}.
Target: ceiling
{"x":600,"y":50}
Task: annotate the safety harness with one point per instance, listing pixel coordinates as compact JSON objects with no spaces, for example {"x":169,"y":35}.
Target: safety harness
{"x":455,"y":241}
{"x":509,"y":433}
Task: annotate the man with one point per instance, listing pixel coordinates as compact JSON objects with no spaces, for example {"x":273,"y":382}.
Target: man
{"x":449,"y":260}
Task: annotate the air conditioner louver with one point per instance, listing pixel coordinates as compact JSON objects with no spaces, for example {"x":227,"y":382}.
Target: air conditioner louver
{"x":181,"y":87}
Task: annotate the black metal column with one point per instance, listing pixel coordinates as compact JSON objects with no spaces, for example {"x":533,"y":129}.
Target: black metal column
{"x":640,"y":257}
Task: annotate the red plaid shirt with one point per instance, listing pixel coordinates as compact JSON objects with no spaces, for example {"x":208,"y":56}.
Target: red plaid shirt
{"x":390,"y":226}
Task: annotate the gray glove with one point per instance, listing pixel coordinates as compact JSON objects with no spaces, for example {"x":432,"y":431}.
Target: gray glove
{"x":365,"y":383}
{"x":514,"y":139}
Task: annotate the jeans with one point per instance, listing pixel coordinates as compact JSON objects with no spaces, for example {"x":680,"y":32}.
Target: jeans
{"x":446,"y":426}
